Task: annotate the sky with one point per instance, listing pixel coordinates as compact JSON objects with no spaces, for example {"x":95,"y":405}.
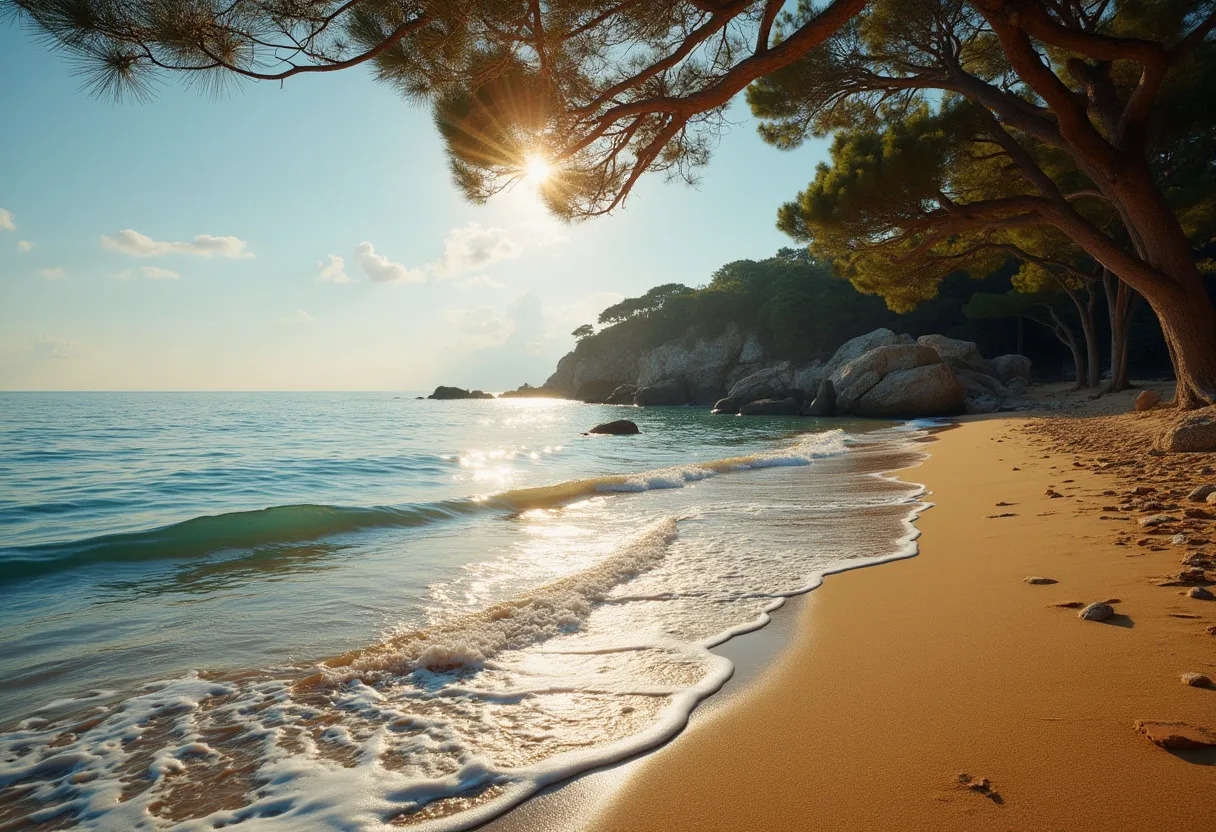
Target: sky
{"x":307,"y":236}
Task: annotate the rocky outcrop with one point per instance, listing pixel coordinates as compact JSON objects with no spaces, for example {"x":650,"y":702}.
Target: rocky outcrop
{"x":824,"y":403}
{"x":769,"y":383}
{"x":929,"y":390}
{"x":857,"y":377}
{"x":442,"y":392}
{"x":961,"y":355}
{"x":771,"y":407}
{"x":618,"y":427}
{"x":526,"y":391}
{"x":669,"y":392}
{"x":727,"y":406}
{"x":1005,"y":368}
{"x":706,"y":363}
{"x":622,"y":395}
{"x":854,"y":348}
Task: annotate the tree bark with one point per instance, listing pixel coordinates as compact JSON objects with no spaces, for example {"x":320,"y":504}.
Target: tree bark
{"x":1065,"y":334}
{"x":1120,"y":308}
{"x":1089,"y":376}
{"x":1188,"y":322}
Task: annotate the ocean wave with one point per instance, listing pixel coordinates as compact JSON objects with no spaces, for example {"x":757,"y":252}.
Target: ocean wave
{"x":278,"y":525}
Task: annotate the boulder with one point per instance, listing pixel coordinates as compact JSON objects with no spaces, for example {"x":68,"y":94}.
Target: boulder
{"x":670,"y":392}
{"x":622,"y":395}
{"x":855,"y":379}
{"x":1193,"y":433}
{"x":984,"y":403}
{"x":807,"y":380}
{"x":619,"y":427}
{"x":727,"y":405}
{"x":1008,"y":367}
{"x":442,"y":392}
{"x":930,"y":390}
{"x":771,"y":382}
{"x":856,"y":347}
{"x":825,"y":400}
{"x":595,"y":391}
{"x":958,"y":354}
{"x":771,"y":407}
{"x":979,"y":384}
{"x":752,"y":351}
{"x":1147,"y":400}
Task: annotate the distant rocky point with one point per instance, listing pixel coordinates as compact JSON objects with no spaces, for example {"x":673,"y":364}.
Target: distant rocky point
{"x":442,"y":392}
{"x":527,"y":391}
{"x":879,"y":374}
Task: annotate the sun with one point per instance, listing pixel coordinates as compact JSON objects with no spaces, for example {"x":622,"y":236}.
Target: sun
{"x":537,"y":169}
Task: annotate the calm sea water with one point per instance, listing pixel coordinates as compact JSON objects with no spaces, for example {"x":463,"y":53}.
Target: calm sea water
{"x":339,"y":611}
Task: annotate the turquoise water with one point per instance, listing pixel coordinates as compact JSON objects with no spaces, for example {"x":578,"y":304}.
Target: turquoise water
{"x":209,"y":550}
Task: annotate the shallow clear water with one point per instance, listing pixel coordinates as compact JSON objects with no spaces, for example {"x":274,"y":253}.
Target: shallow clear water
{"x":369,"y":609}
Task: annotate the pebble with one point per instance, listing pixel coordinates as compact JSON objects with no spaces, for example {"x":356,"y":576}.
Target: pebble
{"x":1178,"y":539}
{"x":1200,"y":493}
{"x":1200,"y":593}
{"x":1156,"y":520}
{"x":1038,"y":580}
{"x":1097,"y":612}
{"x":1196,"y":680}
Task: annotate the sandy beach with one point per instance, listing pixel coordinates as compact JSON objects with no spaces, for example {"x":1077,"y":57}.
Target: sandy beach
{"x":903,"y":681}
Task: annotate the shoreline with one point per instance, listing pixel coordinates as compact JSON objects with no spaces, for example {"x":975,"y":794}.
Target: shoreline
{"x":898,"y":680}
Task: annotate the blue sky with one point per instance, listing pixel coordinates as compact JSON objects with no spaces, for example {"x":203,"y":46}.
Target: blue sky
{"x":185,"y":244}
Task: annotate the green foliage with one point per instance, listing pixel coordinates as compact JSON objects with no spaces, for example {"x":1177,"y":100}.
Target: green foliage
{"x":584,"y":331}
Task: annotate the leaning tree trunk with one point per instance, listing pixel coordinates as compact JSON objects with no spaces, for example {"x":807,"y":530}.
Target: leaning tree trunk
{"x":1088,"y":375}
{"x":1188,"y":322}
{"x":1066,"y":337}
{"x":1173,"y":285}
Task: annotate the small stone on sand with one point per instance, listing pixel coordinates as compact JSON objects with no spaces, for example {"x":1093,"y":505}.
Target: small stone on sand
{"x":1038,"y":580}
{"x":1156,"y":520}
{"x":1200,"y":493}
{"x":1099,"y":611}
{"x":1201,"y":593}
{"x":1196,"y":680}
{"x":1176,"y":736}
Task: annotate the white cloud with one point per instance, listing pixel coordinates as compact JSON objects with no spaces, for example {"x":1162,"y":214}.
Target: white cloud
{"x":129,"y":241}
{"x":49,"y":346}
{"x":300,"y":316}
{"x":382,"y":270}
{"x":6,"y":221}
{"x":154,"y":272}
{"x":473,"y":247}
{"x":334,"y":271}
{"x":25,"y":246}
{"x":157,"y":273}
{"x":52,"y":273}
{"x":479,"y":321}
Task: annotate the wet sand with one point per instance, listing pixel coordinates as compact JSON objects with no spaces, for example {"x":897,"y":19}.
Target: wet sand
{"x":904,"y":687}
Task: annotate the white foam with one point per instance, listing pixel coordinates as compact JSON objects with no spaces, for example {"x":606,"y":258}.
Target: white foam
{"x":576,"y":673}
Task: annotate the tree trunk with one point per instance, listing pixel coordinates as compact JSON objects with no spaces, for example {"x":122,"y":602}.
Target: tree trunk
{"x":1064,"y":333}
{"x":1121,"y":308}
{"x":1089,"y":375}
{"x":1188,"y":321}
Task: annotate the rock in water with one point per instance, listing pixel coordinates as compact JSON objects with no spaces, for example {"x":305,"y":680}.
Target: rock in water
{"x":622,"y":395}
{"x":1176,"y":736}
{"x":1099,"y":611}
{"x":769,"y":383}
{"x":619,"y":427}
{"x":825,"y":400}
{"x":1194,"y":433}
{"x":771,"y":407}
{"x":727,"y":406}
{"x":670,"y":392}
{"x":442,"y":392}
{"x":1147,"y":400}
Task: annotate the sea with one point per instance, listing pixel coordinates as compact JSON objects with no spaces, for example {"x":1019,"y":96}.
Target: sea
{"x":370,"y":611}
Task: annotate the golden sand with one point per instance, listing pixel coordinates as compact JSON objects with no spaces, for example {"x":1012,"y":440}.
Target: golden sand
{"x":946,"y":693}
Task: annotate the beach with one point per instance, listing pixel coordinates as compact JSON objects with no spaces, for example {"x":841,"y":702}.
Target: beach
{"x":904,"y":687}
